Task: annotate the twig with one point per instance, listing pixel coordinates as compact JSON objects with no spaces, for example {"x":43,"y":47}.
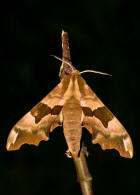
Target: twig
{"x":83,"y":173}
{"x":65,"y":68}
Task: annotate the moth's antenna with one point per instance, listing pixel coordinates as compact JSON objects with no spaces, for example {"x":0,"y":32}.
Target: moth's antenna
{"x":84,"y":71}
{"x":62,"y":61}
{"x":94,"y":71}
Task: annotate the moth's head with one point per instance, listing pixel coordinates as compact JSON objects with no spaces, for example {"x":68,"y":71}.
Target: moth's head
{"x":66,"y":67}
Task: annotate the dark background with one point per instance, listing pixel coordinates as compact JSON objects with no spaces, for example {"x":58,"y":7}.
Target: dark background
{"x":104,"y":36}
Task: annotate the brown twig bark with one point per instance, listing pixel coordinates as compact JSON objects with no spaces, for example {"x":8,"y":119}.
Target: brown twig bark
{"x":82,"y":170}
{"x":83,"y":174}
{"x":65,"y":68}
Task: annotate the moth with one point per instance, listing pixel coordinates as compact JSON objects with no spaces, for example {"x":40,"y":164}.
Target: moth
{"x":73,"y":105}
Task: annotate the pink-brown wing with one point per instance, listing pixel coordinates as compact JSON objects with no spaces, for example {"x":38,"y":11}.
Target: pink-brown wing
{"x":102,"y":124}
{"x":43,"y":118}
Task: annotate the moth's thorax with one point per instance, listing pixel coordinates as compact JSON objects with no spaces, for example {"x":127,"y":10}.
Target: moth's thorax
{"x":73,"y":85}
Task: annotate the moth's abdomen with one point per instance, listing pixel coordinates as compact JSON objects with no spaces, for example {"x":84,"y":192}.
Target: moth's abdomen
{"x":72,"y":114}
{"x":72,"y":135}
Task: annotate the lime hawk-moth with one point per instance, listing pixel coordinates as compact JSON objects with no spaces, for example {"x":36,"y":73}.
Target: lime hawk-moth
{"x":73,"y":105}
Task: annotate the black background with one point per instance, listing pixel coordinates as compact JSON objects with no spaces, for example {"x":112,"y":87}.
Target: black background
{"x":104,"y":36}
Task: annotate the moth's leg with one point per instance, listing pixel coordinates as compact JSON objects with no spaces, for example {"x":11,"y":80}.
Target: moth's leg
{"x":87,"y":126}
{"x":57,"y":122}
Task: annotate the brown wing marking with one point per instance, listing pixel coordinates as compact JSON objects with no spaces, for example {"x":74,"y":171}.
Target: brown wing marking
{"x":105,"y":127}
{"x":102,"y":113}
{"x":39,"y":111}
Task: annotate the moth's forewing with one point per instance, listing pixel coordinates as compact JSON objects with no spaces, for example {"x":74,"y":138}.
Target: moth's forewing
{"x":28,"y":131}
{"x":36,"y":124}
{"x":102,"y":124}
